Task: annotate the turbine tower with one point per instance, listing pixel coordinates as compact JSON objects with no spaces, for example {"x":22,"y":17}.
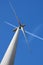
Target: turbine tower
{"x":9,"y":56}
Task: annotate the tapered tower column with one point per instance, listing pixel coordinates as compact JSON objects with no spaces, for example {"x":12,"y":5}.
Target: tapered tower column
{"x":9,"y":56}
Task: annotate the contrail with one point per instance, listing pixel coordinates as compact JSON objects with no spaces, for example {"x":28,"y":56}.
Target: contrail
{"x":35,"y":31}
{"x":34,"y":35}
{"x":38,"y":37}
{"x":10,"y":24}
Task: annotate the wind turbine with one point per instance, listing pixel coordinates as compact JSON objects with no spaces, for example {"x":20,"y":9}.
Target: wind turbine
{"x":9,"y":56}
{"x":21,"y":26}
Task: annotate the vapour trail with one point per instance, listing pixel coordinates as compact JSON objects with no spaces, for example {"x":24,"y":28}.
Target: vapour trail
{"x":19,"y":23}
{"x":35,"y":32}
{"x":34,"y":35}
{"x":10,"y":24}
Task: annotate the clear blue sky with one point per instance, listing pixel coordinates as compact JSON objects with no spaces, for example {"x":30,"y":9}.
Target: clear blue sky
{"x":30,"y":12}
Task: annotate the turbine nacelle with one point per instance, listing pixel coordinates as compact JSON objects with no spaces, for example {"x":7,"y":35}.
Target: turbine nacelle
{"x":21,"y":26}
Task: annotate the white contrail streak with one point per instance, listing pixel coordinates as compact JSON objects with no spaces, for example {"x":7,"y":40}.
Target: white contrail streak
{"x":34,"y":35}
{"x":10,"y":24}
{"x":38,"y":37}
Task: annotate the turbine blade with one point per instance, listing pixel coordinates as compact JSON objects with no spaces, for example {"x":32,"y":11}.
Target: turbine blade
{"x":34,"y":35}
{"x":10,"y":24}
{"x":25,"y":36}
{"x":14,"y":12}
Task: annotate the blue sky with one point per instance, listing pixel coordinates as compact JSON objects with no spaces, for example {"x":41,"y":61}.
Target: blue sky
{"x":29,"y":12}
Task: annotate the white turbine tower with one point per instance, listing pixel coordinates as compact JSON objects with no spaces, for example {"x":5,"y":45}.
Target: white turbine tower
{"x":9,"y":56}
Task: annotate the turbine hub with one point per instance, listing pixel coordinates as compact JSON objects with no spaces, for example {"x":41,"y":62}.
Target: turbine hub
{"x":20,"y":27}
